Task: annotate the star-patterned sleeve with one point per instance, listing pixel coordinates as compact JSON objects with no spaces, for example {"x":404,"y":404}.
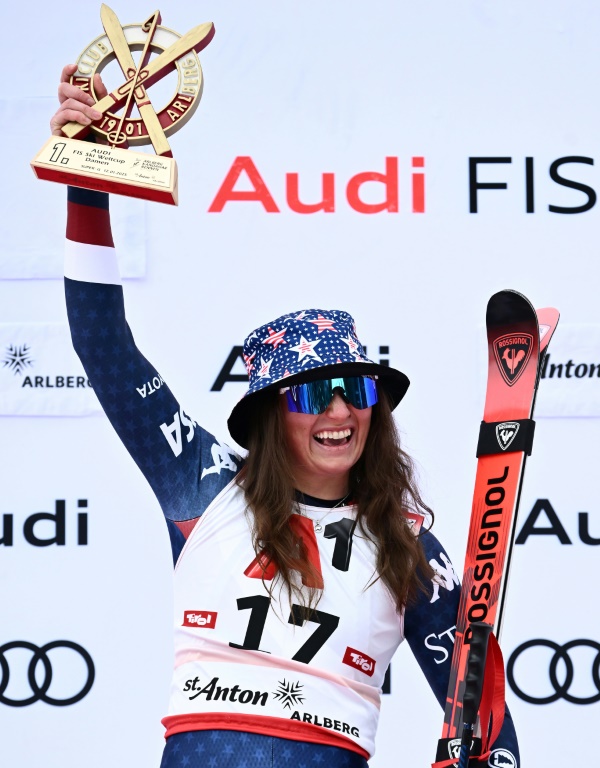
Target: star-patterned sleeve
{"x":185,"y":465}
{"x":429,"y":626}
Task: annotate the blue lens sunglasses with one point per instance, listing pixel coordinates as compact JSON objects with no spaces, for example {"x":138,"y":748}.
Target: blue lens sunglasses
{"x":314,"y":397}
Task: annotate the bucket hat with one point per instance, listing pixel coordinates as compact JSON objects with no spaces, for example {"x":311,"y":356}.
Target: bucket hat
{"x":306,"y":346}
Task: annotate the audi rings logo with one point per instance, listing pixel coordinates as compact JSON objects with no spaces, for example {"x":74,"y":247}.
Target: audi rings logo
{"x":562,"y":659}
{"x":40,"y":673}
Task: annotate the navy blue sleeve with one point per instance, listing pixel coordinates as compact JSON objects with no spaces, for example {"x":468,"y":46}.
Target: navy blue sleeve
{"x":184,"y":464}
{"x":429,"y":626}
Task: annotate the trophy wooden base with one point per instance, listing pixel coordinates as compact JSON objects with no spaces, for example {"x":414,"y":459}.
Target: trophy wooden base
{"x":107,"y":169}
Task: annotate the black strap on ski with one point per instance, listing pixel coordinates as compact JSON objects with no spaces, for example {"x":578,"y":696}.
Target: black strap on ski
{"x":505,"y":437}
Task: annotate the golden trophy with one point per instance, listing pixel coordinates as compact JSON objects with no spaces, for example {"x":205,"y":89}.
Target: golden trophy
{"x":112,"y":166}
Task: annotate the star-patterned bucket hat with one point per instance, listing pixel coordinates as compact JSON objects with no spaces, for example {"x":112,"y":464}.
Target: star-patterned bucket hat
{"x":306,"y":346}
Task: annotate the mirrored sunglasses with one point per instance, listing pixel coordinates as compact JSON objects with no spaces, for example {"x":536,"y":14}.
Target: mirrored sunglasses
{"x":314,"y":396}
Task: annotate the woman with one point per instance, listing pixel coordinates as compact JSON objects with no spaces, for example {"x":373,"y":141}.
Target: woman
{"x":299,"y":570}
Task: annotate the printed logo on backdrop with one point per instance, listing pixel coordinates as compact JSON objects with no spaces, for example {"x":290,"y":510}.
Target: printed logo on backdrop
{"x":59,"y":673}
{"x":570,"y":374}
{"x":45,"y":529}
{"x":550,"y":671}
{"x":17,"y":358}
{"x":40,"y":374}
{"x":581,"y":196}
{"x":376,"y":190}
{"x":543,"y":511}
{"x":372,"y":191}
{"x":234,"y":368}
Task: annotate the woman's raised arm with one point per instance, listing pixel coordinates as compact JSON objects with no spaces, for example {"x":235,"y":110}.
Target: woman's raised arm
{"x":185,"y":465}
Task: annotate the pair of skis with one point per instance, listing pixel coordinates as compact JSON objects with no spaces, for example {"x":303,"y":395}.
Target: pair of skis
{"x":518,"y":338}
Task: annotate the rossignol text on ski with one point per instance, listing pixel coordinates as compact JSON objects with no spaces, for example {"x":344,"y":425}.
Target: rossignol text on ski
{"x":518,"y":338}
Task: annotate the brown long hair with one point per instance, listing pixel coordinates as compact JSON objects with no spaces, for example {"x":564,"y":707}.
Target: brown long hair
{"x":382,"y":485}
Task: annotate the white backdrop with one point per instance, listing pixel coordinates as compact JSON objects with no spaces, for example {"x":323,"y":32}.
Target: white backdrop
{"x":307,"y":88}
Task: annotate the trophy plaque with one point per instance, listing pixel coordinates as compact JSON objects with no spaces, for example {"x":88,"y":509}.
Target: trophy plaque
{"x":112,"y":166}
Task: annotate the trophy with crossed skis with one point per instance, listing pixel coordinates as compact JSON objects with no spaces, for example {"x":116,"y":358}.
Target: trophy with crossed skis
{"x":112,"y":166}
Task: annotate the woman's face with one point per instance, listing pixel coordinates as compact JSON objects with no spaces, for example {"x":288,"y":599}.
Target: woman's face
{"x":325,"y":447}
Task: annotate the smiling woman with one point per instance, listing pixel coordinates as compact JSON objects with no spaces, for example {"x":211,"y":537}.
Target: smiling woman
{"x":319,"y":425}
{"x":298,"y":570}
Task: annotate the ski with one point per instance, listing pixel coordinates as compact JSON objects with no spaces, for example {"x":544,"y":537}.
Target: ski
{"x":517,"y":342}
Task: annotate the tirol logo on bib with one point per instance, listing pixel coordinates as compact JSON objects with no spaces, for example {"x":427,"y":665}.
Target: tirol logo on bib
{"x":512,"y":352}
{"x":202,"y":619}
{"x":358,"y":660}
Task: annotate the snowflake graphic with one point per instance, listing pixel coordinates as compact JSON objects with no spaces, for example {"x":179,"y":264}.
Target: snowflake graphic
{"x":289,"y":693}
{"x":17,"y":358}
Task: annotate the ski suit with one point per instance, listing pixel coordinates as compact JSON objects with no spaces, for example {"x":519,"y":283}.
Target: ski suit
{"x":255,"y":683}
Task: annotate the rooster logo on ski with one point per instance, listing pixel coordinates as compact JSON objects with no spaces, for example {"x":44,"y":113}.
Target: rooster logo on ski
{"x":512,"y":352}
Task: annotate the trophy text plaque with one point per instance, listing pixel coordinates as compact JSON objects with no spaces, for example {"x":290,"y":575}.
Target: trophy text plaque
{"x":112,"y":166}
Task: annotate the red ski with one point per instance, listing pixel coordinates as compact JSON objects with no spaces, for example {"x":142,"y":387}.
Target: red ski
{"x":516,"y":347}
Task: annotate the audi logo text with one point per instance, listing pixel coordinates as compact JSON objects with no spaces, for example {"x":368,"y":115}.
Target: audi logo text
{"x":560,"y":654}
{"x":39,"y":691}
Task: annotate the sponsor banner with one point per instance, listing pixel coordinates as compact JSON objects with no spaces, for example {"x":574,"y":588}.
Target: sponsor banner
{"x":570,"y":376}
{"x":40,"y":374}
{"x":33,"y":245}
